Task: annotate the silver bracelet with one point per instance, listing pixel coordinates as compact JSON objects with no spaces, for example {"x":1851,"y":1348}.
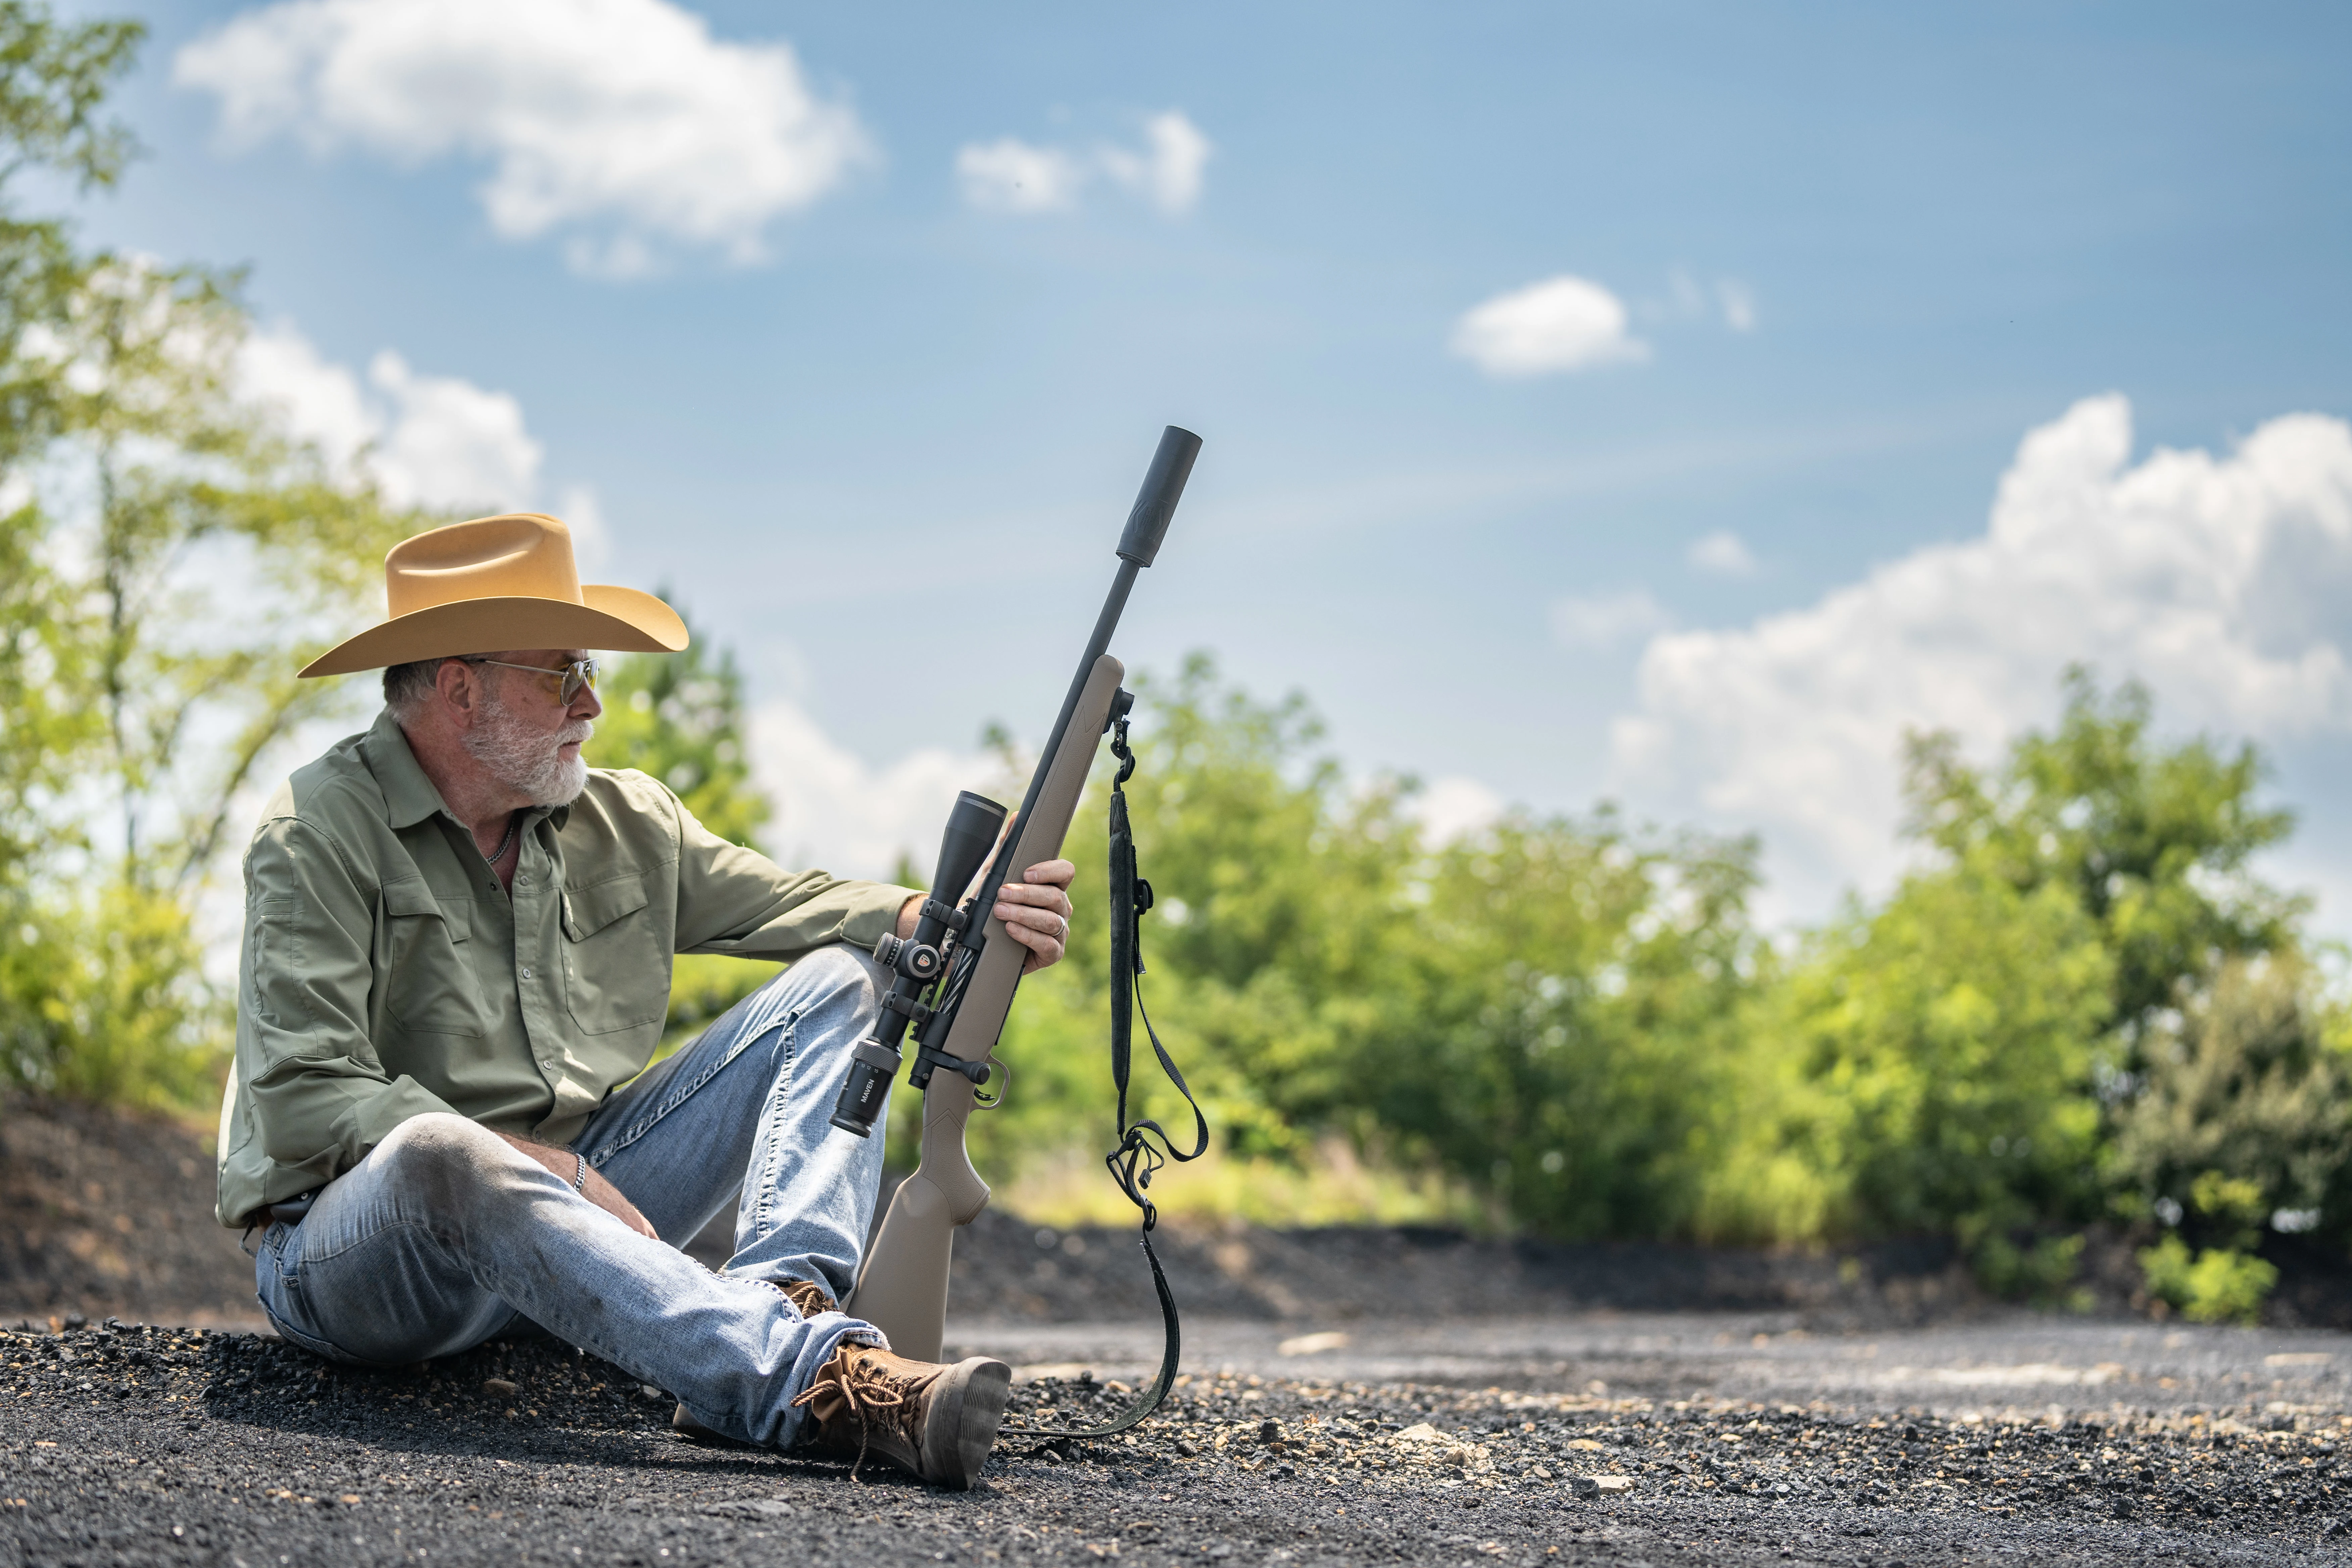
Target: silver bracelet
{"x":579,"y":1182}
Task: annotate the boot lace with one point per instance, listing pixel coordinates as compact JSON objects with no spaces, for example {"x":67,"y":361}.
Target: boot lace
{"x":866,"y":1385}
{"x":807,"y":1296}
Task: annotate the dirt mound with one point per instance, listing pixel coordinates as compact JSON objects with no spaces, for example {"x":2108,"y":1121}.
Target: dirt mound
{"x":1006,"y":1267}
{"x":105,"y":1213}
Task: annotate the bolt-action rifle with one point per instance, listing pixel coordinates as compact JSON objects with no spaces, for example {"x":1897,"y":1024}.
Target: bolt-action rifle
{"x":954,"y":982}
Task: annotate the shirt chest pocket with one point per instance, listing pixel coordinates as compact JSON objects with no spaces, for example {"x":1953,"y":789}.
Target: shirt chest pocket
{"x":432,"y":987}
{"x":617,"y":957}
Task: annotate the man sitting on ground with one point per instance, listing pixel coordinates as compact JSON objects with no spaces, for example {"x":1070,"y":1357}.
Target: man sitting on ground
{"x":456,"y":964}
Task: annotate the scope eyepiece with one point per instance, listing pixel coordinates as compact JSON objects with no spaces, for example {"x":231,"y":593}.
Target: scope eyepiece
{"x":867,"y":1089}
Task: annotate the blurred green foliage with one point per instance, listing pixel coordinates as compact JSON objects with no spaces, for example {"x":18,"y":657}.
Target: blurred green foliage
{"x":2237,"y":1112}
{"x":2218,"y":1285}
{"x":170,"y":557}
{"x":2081,"y":1007}
{"x":1541,"y":1013}
{"x":2085,"y":1005}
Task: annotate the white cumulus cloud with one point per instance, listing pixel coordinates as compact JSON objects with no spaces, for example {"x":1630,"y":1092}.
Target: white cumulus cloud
{"x":836,"y":811}
{"x":451,"y":443}
{"x":1010,"y":175}
{"x":1723,"y":552}
{"x":1169,"y":171}
{"x":622,"y":124}
{"x":428,"y":440}
{"x":2224,"y":582}
{"x":1560,"y":324}
{"x":1607,"y":620}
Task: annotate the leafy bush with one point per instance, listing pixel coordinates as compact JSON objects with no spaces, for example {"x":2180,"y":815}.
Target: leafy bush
{"x":2220,"y":1285}
{"x":1925,"y":1069}
{"x":106,"y":1001}
{"x":1536,"y":1012}
{"x":1566,"y":1020}
{"x":2243,"y":1107}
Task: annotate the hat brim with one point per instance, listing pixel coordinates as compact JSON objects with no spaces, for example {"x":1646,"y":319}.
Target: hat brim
{"x":618,"y":620}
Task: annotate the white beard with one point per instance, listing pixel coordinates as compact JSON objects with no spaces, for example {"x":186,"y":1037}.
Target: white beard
{"x":525,"y":758}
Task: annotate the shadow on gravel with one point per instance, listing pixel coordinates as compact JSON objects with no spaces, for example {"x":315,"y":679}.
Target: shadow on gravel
{"x":500,"y":1398}
{"x":510,"y":1399}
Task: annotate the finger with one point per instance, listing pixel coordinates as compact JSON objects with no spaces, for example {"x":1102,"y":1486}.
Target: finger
{"x":1051,"y":873}
{"x":1047,"y":901}
{"x":1043,"y":942}
{"x":1023,"y":919}
{"x":1044,"y":949}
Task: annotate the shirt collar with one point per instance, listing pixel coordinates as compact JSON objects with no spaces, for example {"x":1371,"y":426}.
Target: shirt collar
{"x":409,"y":797}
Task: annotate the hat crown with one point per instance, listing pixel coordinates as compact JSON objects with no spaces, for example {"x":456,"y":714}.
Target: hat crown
{"x":523,"y":555}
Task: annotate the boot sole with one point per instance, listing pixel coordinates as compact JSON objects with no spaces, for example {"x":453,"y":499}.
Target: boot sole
{"x":966,"y":1407}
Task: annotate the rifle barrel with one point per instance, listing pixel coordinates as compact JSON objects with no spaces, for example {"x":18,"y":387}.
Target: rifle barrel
{"x":1147,"y":526}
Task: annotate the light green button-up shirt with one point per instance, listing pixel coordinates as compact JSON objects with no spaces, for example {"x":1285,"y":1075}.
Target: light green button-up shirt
{"x":385,"y":973}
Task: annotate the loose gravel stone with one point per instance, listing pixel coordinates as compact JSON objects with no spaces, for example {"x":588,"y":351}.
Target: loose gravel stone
{"x":140,"y":1445}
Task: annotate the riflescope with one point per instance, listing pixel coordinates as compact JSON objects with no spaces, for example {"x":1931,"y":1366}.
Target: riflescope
{"x":917,"y":962}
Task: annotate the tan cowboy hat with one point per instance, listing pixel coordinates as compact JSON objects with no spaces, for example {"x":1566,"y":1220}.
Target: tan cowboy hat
{"x":494,"y":583}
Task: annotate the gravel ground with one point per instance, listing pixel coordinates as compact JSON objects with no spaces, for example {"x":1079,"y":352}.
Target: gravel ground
{"x":134,"y":1446}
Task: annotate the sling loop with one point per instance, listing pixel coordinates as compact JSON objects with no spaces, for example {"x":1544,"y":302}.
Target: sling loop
{"x":1133,"y":1162}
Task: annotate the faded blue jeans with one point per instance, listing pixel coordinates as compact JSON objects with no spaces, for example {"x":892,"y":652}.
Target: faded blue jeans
{"x":445,"y":1235}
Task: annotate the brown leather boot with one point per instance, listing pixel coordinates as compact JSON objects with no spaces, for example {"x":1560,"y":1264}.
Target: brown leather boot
{"x":809,"y":1298}
{"x":938,"y":1422}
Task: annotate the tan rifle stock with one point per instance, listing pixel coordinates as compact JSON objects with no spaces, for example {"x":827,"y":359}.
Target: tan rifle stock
{"x":903,"y":1289}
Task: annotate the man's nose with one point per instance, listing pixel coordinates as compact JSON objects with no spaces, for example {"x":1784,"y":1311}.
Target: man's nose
{"x":584,"y":705}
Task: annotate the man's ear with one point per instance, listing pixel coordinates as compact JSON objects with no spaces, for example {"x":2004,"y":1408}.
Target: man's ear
{"x":459,"y":686}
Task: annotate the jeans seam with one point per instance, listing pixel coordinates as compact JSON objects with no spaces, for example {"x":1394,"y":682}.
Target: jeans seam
{"x":678,"y":1096}
{"x":778,"y":1092}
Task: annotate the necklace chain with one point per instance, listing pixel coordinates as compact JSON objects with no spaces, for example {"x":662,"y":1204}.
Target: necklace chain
{"x":514,"y":826}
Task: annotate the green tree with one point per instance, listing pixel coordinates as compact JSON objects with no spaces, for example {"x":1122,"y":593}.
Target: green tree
{"x":1563,"y":1034}
{"x":2246,"y":1107}
{"x":1926,"y":1068}
{"x":53,"y":80}
{"x":1530,"y":1010}
{"x":144,"y":694}
{"x":2154,"y":845}
{"x":2064,"y":1004}
{"x":1277,"y":894}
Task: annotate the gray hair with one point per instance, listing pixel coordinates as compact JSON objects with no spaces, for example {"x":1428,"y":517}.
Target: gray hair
{"x":406,"y":685}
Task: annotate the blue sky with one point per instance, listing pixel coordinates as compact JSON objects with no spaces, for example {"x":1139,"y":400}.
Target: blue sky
{"x":1859,"y":251}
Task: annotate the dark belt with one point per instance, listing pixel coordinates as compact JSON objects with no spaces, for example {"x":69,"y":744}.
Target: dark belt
{"x":290,"y":1210}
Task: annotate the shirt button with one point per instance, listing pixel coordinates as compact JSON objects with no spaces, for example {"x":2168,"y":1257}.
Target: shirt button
{"x":526,"y":974}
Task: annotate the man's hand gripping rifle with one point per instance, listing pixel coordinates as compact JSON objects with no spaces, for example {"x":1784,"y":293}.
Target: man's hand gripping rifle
{"x":954,"y":978}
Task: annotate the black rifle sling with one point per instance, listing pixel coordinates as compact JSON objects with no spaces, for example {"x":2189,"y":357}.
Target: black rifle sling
{"x":1136,"y":1158}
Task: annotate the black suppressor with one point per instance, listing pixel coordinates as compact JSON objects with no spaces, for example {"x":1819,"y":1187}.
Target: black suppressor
{"x":914,"y":962}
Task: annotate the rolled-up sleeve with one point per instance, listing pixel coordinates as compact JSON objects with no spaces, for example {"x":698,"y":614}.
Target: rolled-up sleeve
{"x":320,"y":1097}
{"x":737,"y":901}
